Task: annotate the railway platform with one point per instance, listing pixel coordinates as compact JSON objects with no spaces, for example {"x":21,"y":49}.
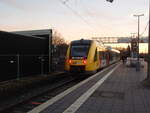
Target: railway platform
{"x":116,"y":89}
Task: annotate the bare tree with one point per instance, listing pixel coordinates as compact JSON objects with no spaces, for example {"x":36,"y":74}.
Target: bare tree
{"x":58,"y":39}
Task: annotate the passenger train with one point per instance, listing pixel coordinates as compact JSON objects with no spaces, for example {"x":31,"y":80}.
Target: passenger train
{"x":88,"y":56}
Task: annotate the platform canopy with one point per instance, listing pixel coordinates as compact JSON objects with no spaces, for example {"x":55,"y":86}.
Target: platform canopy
{"x":41,"y":32}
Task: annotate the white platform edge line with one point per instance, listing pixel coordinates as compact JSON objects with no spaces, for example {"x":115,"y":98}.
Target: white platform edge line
{"x":76,"y":105}
{"x":63,"y":94}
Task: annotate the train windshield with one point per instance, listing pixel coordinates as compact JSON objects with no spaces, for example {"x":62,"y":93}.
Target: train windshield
{"x":79,"y":50}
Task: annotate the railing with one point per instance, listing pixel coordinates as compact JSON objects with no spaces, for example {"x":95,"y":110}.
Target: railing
{"x":17,"y":66}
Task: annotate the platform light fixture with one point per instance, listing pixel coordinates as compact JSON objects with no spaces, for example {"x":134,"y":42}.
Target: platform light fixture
{"x":138,"y":38}
{"x":148,"y":68}
{"x":110,"y":1}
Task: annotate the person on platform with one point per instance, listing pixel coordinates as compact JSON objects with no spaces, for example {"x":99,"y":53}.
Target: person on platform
{"x":123,"y":59}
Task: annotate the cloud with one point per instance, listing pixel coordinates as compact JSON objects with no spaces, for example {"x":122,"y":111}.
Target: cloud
{"x":12,"y":3}
{"x":18,"y":4}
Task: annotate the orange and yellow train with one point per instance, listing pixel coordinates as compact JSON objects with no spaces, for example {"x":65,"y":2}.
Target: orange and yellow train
{"x":87,"y":56}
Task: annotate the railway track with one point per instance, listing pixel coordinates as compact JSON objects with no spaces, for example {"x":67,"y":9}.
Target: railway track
{"x":41,"y":95}
{"x":35,"y":97}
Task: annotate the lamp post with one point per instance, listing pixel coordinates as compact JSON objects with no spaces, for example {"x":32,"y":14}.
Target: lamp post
{"x":110,"y":1}
{"x":138,"y":62}
{"x":148,"y":68}
{"x":133,"y":35}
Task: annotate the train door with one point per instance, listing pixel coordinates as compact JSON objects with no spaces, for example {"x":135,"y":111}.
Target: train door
{"x":103,"y":61}
{"x":107,"y":57}
{"x":96,"y":61}
{"x":100,"y":58}
{"x":104,"y":58}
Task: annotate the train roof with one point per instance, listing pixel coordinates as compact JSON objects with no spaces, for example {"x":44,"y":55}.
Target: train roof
{"x":87,"y":42}
{"x":82,"y":41}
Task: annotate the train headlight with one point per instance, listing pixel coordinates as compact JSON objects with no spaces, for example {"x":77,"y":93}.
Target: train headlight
{"x":69,"y":61}
{"x":84,"y":61}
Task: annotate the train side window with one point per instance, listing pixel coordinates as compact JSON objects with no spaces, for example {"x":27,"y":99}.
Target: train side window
{"x":95,"y":57}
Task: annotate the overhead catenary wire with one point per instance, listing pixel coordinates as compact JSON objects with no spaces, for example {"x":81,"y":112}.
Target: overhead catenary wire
{"x":145,"y":28}
{"x":78,"y":15}
{"x":91,"y":16}
{"x":65,"y":1}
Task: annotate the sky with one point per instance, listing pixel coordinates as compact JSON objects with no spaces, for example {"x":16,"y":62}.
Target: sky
{"x":77,"y":19}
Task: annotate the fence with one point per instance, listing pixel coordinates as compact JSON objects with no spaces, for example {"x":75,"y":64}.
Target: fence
{"x":17,"y":66}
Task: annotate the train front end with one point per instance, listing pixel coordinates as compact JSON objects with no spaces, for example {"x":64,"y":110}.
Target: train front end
{"x":77,"y":56}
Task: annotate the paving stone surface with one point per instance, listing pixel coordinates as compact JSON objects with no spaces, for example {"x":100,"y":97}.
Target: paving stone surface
{"x":65,"y":102}
{"x":121,"y":92}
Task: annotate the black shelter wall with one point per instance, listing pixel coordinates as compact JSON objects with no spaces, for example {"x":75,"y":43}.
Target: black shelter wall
{"x":19,"y":44}
{"x":32,"y":53}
